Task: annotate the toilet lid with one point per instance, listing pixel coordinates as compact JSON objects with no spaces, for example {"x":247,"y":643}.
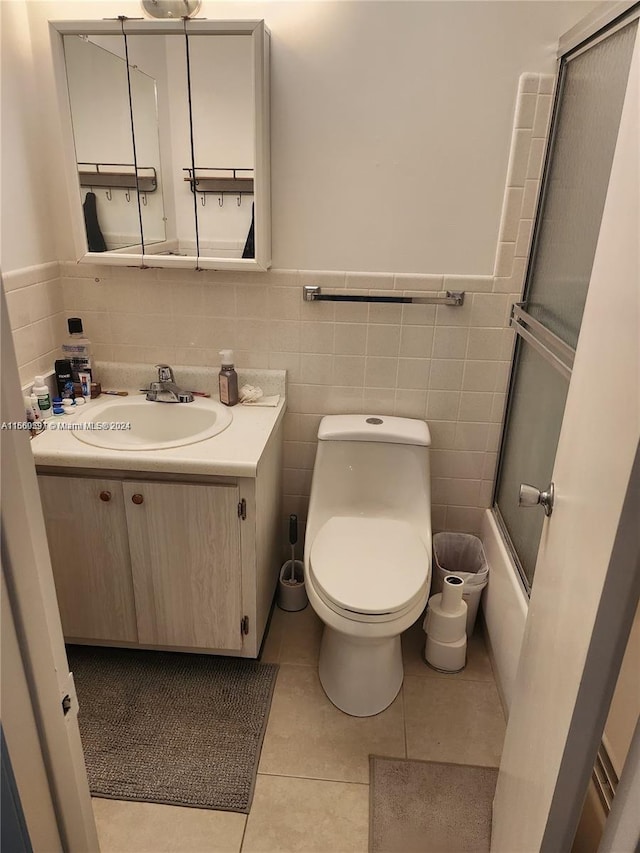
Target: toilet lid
{"x":369,"y":565}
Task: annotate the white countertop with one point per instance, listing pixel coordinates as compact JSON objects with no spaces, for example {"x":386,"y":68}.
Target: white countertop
{"x":235,"y":452}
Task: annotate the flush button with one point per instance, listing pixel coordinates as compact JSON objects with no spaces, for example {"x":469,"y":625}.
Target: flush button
{"x":374,"y":421}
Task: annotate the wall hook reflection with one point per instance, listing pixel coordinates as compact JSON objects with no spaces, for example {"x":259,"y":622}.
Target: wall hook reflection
{"x":221,"y":199}
{"x":108,"y":194}
{"x":144,"y":199}
{"x":239,"y":199}
{"x":203,"y":199}
{"x":127,"y":195}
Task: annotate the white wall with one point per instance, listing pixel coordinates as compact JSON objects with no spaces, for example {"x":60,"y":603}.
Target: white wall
{"x":28,"y":228}
{"x":390,"y":123}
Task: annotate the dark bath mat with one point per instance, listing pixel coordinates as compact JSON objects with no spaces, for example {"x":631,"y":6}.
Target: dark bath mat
{"x":163,"y":727}
{"x":429,"y":806}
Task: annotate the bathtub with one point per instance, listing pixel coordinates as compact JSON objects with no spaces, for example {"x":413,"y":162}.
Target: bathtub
{"x":505,"y":605}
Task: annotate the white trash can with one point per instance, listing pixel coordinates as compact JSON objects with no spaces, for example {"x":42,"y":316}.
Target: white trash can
{"x":461,"y":554}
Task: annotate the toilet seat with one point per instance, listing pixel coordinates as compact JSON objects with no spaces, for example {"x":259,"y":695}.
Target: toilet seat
{"x":369,"y":566}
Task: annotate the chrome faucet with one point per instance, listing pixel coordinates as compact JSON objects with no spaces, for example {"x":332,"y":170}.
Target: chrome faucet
{"x":165,"y":389}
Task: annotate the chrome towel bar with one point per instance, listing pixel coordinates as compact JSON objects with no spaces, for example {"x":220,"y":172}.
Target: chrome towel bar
{"x":313,"y":293}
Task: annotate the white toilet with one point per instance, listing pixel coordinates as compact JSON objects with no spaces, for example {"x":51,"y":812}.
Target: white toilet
{"x":367,"y":555}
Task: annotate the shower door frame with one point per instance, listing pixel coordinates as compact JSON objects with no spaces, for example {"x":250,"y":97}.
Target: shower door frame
{"x":597,"y":26}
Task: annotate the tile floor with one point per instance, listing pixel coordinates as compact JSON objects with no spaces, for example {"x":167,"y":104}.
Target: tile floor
{"x":312,"y":792}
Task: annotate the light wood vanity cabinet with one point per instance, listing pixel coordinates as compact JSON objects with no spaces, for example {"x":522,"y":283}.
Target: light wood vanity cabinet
{"x":184,"y":542}
{"x":87,"y":533}
{"x":164,"y":564}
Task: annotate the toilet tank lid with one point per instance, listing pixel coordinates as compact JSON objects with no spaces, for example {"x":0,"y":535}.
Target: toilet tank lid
{"x":374,"y":428}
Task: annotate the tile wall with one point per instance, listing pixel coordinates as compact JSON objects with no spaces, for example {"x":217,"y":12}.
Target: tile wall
{"x":36,"y":315}
{"x":449,"y":365}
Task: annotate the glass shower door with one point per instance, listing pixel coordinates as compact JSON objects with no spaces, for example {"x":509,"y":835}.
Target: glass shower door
{"x":591,"y":89}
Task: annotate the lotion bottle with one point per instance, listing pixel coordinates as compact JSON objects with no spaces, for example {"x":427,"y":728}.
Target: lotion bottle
{"x":228,"y":379}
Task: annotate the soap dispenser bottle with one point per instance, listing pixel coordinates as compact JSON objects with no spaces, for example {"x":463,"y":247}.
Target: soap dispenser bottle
{"x":228,"y":379}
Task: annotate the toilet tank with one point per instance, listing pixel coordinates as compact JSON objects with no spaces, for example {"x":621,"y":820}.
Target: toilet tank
{"x":372,"y":466}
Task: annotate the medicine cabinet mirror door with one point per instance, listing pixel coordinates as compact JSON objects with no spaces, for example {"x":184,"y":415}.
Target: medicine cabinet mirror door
{"x":170,"y":119}
{"x":162,"y":135}
{"x":98,"y":88}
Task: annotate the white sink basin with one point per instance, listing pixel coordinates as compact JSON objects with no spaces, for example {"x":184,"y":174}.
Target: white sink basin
{"x":137,"y":424}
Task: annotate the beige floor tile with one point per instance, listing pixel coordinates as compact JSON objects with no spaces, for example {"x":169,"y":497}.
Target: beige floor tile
{"x":457,"y":721}
{"x":308,"y":736}
{"x":301,"y":635}
{"x":293,"y":637}
{"x":125,"y":827}
{"x":309,"y":816}
{"x":478,"y":666}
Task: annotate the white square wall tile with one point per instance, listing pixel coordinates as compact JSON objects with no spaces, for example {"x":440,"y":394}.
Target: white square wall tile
{"x":409,"y":281}
{"x":542,"y":116}
{"x":469,"y":283}
{"x":348,"y":369}
{"x":381,"y":401}
{"x":464,"y":519}
{"x":524,"y":238}
{"x":316,"y":337}
{"x":350,"y":338}
{"x":417,"y":315}
{"x":512,"y":207}
{"x":383,"y":340}
{"x":525,"y":110}
{"x":480,"y":375}
{"x":504,"y":259}
{"x":446,"y":375}
{"x":384,"y":312}
{"x":413,"y":373}
{"x":410,"y":403}
{"x":486,"y":344}
{"x":546,"y":84}
{"x":488,"y":310}
{"x":443,"y":434}
{"x":443,"y":405}
{"x":528,"y":82}
{"x":316,"y":369}
{"x":381,"y":372}
{"x":471,"y":436}
{"x":530,"y":198}
{"x":369,"y":281}
{"x":475,"y":406}
{"x":450,"y":341}
{"x":518,"y":158}
{"x":416,"y":341}
{"x":18,"y":306}
{"x":536,"y":156}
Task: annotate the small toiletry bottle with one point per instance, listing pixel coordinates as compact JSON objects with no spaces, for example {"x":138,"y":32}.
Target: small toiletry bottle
{"x":37,"y":414}
{"x":77,"y":348}
{"x":228,"y":379}
{"x":44,"y":400}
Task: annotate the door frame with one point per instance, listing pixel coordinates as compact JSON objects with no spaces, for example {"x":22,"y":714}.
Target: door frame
{"x":31,"y":597}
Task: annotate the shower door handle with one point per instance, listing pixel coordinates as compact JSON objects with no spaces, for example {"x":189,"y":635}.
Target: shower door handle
{"x":530,"y":496}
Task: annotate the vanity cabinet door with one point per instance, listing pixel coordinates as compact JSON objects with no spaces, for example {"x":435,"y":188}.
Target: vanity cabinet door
{"x":87,"y":533}
{"x":185,"y":558}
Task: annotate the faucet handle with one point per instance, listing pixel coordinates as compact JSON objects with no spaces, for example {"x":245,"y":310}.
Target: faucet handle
{"x":165,"y":373}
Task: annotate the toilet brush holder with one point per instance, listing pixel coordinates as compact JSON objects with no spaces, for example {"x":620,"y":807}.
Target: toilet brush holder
{"x":292,"y":594}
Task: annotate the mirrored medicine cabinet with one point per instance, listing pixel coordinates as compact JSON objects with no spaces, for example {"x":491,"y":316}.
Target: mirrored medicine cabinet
{"x":166,"y":138}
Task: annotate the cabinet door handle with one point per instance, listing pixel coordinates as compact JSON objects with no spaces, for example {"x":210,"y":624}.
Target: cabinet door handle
{"x":137,"y":499}
{"x":105,"y":496}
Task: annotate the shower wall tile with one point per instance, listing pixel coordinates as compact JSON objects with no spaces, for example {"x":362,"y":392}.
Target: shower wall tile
{"x":35,"y":308}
